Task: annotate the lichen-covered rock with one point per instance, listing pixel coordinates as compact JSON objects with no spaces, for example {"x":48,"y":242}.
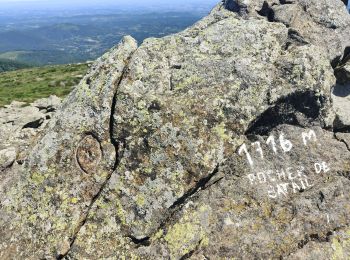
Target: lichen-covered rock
{"x":213,"y":143}
{"x":324,"y":23}
{"x":67,"y":168}
{"x":21,"y":125}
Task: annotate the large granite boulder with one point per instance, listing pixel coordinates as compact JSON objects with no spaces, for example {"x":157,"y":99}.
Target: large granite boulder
{"x":222,"y":141}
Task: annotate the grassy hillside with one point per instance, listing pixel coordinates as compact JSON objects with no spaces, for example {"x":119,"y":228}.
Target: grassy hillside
{"x":30,"y":84}
{"x":40,"y":58}
{"x":8,"y":65}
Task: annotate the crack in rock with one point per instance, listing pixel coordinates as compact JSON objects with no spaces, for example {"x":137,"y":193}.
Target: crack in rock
{"x":88,"y":157}
{"x":191,"y":253}
{"x":202,"y":184}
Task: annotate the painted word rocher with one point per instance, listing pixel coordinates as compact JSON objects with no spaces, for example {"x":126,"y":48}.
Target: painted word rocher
{"x":287,"y":180}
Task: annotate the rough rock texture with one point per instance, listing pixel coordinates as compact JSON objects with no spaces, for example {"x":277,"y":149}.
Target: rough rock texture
{"x":20,"y":126}
{"x":227,"y":140}
{"x":322,"y":23}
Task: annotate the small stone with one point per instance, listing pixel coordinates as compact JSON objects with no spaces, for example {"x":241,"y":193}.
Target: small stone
{"x":7,"y":157}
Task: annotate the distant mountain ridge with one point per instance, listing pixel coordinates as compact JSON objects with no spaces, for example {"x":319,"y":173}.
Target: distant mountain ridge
{"x":78,"y":38}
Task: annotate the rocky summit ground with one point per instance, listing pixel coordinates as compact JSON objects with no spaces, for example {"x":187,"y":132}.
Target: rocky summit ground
{"x":229,"y":140}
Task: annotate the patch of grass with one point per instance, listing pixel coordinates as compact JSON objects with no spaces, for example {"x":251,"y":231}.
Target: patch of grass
{"x":27,"y":85}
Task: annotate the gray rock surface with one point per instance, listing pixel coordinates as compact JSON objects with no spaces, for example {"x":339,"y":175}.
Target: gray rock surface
{"x":7,"y":157}
{"x":49,"y":104}
{"x":21,"y":125}
{"x":213,"y":143}
{"x":306,"y":21}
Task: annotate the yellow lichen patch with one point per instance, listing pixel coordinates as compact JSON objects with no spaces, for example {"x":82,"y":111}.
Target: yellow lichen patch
{"x":37,"y":178}
{"x":220,"y":130}
{"x":284,"y":216}
{"x":341,"y":247}
{"x":74,"y":200}
{"x":204,"y":241}
{"x":32,"y":218}
{"x":100,"y":204}
{"x":266,"y":209}
{"x":238,"y":207}
{"x":147,"y":170}
{"x":177,"y":175}
{"x":121,"y":212}
{"x":140,"y":200}
{"x":338,"y":250}
{"x":49,"y":189}
{"x":187,"y":234}
{"x":180,"y":238}
{"x":101,"y":177}
{"x":346,"y":166}
{"x":189,"y":82}
{"x":157,"y":235}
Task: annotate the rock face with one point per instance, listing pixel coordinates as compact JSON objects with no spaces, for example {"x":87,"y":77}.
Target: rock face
{"x":227,"y":140}
{"x":20,"y":127}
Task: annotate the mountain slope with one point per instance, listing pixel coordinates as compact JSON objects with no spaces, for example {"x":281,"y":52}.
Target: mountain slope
{"x":30,"y":84}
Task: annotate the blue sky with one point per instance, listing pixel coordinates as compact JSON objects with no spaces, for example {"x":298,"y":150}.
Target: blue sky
{"x":110,"y":1}
{"x":114,"y":2}
{"x":29,"y":5}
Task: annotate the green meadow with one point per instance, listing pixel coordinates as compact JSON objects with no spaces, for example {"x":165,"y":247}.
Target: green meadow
{"x":27,"y":85}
